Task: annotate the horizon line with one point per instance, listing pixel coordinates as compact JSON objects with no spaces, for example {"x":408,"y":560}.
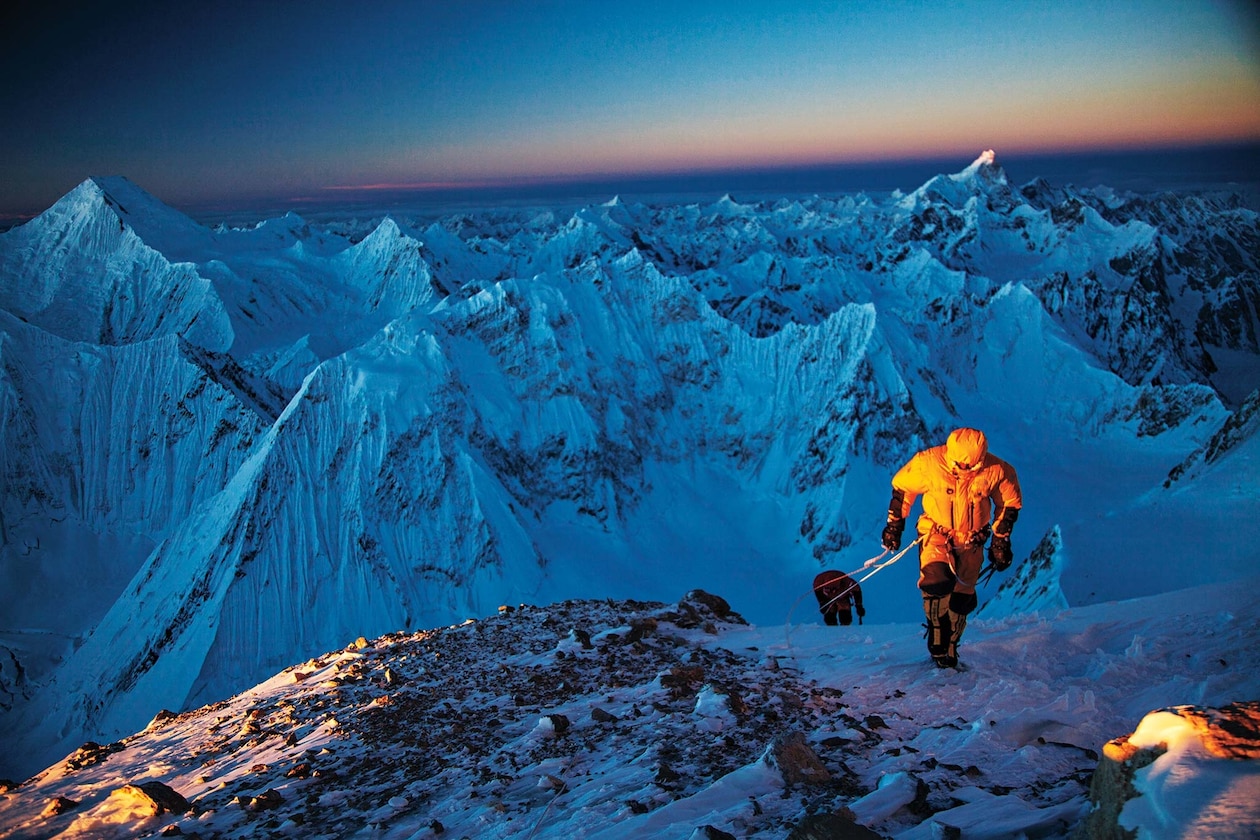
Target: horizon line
{"x":670,"y":172}
{"x":615,"y":179}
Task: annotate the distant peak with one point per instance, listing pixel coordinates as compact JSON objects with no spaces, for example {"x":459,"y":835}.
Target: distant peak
{"x":984,"y":169}
{"x":987,"y":161}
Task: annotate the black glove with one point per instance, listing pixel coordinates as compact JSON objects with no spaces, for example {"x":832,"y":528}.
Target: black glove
{"x":892,"y":534}
{"x":1000,"y":552}
{"x":861,"y":611}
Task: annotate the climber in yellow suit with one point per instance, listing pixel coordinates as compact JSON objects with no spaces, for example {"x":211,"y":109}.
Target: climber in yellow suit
{"x":968,"y":493}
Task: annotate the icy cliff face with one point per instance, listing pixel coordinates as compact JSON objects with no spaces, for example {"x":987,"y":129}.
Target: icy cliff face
{"x":231,"y":449}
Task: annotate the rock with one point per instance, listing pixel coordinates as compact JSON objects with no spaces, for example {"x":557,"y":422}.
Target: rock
{"x":89,"y":754}
{"x":831,"y":827}
{"x":299,"y":771}
{"x":160,"y":718}
{"x":266,"y":801}
{"x":666,"y":775}
{"x":7,"y":785}
{"x":600,"y":716}
{"x":58,"y":805}
{"x":558,"y":722}
{"x":156,"y":798}
{"x":698,"y":599}
{"x":708,"y":832}
{"x":1231,"y":732}
{"x":796,"y":760}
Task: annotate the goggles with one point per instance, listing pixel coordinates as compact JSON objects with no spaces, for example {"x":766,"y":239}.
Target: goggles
{"x":959,"y":465}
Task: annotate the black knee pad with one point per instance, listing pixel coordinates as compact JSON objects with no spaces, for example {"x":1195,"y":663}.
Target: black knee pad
{"x":938,"y":579}
{"x":962,"y":602}
{"x":846,"y":618}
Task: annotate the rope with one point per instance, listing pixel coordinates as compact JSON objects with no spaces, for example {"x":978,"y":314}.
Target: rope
{"x":873,"y":562}
{"x":562,"y":789}
{"x":814,"y":589}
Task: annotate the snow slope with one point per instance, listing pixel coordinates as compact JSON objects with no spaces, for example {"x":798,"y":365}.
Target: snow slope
{"x":620,"y":719}
{"x":226,"y":450}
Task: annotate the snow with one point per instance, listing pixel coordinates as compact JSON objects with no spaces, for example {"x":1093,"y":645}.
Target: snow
{"x":1188,"y":791}
{"x":225,"y":451}
{"x":1003,"y":748}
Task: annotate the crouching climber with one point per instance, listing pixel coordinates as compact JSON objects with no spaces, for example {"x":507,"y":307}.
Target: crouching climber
{"x":838,"y":597}
{"x":968,"y":494}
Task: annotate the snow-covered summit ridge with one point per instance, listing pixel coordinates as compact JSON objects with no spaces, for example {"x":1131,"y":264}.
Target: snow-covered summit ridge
{"x":406,"y":422}
{"x":602,"y":718}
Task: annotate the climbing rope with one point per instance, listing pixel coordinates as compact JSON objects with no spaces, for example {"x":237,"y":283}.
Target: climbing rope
{"x":876,"y":564}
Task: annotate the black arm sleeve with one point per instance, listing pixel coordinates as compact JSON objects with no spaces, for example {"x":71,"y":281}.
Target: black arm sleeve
{"x":895,"y":506}
{"x":1006,"y":522}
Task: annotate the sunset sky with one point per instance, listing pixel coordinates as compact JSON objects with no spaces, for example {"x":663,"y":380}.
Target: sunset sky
{"x":202,"y":102}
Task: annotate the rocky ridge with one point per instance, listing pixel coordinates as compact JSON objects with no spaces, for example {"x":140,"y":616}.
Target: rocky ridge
{"x":511,"y":726}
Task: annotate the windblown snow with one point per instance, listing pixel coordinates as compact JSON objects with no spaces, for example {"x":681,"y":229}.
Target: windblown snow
{"x":226,"y":451}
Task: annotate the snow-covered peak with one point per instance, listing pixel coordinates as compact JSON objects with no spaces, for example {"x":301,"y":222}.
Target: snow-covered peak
{"x":160,"y":226}
{"x":983,"y":178}
{"x":470,"y":416}
{"x":987,"y":158}
{"x":88,"y":269}
{"x":727,"y":206}
{"x":389,"y":268}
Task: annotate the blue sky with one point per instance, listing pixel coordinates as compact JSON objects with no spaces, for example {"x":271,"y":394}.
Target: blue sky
{"x":237,"y":101}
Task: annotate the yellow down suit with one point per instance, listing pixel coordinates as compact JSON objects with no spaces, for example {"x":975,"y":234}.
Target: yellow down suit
{"x":967,"y":491}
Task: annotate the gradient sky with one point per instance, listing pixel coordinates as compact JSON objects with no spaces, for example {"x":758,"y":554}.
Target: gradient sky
{"x":231,"y":101}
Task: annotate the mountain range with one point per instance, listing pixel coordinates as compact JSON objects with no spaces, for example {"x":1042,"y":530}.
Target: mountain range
{"x":225,"y":450}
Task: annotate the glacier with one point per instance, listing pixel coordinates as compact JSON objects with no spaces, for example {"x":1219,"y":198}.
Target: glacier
{"x":228,"y":449}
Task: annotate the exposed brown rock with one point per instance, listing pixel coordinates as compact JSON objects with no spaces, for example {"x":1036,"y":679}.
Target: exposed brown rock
{"x":91,"y":753}
{"x":797,"y":761}
{"x":58,"y":805}
{"x":155,"y":797}
{"x":1230,"y":732}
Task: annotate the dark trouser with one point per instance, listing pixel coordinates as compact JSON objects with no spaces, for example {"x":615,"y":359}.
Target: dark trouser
{"x":947,"y":600}
{"x":833,"y":616}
